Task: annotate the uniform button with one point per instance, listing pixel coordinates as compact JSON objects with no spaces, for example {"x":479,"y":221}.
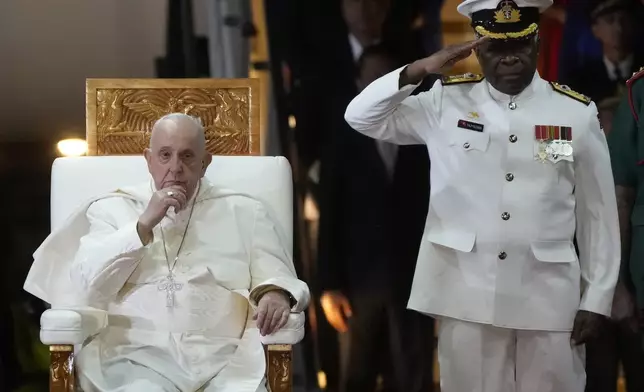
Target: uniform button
{"x":509,"y":177}
{"x":503,"y":255}
{"x":505,"y":216}
{"x":513,"y":138}
{"x":512,"y":105}
{"x":466,"y":145}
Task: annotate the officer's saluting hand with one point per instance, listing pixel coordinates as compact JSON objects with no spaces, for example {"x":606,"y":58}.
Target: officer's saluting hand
{"x":439,"y":62}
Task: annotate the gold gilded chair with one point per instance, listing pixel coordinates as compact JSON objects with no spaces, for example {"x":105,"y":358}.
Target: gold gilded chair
{"x":120,"y":114}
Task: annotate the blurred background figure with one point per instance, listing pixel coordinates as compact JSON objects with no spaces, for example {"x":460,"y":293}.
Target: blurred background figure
{"x":579,"y":41}
{"x":376,"y":197}
{"x":362,"y":23}
{"x":613,"y":24}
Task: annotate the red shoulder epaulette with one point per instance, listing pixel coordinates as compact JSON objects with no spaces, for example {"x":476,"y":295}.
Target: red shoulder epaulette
{"x":629,"y":85}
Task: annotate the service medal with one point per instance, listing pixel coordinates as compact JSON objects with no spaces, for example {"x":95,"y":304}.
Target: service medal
{"x":553,"y":143}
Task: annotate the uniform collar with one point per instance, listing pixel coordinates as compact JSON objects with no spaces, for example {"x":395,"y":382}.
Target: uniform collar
{"x":625,"y":68}
{"x":528,"y":92}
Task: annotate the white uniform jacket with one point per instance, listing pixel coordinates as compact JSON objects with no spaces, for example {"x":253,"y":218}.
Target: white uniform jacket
{"x":505,"y":206}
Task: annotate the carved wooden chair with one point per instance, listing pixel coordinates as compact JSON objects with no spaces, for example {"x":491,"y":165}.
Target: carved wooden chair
{"x":120,"y":114}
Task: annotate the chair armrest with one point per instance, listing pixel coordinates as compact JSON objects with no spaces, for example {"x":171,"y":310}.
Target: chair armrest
{"x":292,"y":333}
{"x":70,"y":326}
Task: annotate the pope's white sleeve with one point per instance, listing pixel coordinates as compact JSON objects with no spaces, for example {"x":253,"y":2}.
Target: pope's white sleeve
{"x":597,"y":222}
{"x":106,"y":257}
{"x":271,"y":263}
{"x":387,"y":112}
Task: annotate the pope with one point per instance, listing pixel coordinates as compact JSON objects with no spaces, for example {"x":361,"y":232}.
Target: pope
{"x":190,"y":274}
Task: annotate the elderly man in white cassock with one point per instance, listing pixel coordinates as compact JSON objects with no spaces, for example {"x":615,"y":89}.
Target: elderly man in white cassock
{"x":189,"y":273}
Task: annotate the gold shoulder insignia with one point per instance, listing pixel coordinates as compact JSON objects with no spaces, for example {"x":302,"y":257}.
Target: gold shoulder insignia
{"x":460,"y":79}
{"x":565,"y":90}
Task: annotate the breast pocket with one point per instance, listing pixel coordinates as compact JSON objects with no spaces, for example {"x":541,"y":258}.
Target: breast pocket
{"x":468,"y":141}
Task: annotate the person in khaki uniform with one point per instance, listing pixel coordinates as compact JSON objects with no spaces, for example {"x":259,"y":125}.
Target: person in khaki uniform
{"x":520,"y":169}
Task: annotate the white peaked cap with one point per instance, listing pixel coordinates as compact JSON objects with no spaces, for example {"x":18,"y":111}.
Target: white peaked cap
{"x":468,"y":7}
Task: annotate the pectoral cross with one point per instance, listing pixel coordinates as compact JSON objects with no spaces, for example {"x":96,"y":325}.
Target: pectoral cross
{"x":170,"y":286}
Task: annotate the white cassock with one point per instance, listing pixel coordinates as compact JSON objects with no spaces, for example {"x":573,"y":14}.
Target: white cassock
{"x":206,"y":340}
{"x":497,"y":263}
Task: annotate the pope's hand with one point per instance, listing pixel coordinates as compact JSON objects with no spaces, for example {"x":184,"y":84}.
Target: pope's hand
{"x":272,"y":312}
{"x":160,"y":202}
{"x":586,"y":327}
{"x":439,"y":62}
{"x":337,"y":309}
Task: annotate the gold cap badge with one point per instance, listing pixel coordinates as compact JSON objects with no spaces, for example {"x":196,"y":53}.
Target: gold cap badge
{"x":507,"y":13}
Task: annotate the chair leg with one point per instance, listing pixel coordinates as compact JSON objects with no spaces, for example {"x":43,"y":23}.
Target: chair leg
{"x":61,"y":368}
{"x":278,"y":367}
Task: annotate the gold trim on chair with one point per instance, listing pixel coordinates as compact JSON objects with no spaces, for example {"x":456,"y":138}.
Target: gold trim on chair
{"x":121,"y":112}
{"x":279,"y":369}
{"x":61,"y":368}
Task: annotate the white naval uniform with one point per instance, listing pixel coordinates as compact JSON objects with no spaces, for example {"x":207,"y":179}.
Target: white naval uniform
{"x":497,"y":261}
{"x":207,"y":341}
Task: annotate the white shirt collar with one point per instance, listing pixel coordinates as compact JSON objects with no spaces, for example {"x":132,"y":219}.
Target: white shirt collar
{"x":356,"y":46}
{"x":625,"y":67}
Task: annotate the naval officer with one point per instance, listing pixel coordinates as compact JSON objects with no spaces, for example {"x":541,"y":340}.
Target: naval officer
{"x":519,"y":167}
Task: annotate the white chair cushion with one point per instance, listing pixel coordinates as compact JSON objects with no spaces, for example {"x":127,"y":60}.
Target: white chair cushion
{"x":70,"y":326}
{"x":61,"y":326}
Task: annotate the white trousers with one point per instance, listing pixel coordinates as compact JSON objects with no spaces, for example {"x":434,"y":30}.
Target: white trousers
{"x":482,"y":358}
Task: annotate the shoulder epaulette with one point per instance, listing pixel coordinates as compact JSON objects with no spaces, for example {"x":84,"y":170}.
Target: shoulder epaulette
{"x":460,"y":79}
{"x":565,"y":90}
{"x":629,"y":85}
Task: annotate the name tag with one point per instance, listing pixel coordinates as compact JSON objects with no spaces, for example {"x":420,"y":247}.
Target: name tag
{"x":471,"y":126}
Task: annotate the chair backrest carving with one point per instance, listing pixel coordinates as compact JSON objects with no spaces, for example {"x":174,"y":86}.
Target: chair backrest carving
{"x":121,"y":112}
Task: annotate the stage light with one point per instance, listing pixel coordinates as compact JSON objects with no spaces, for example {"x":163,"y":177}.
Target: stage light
{"x":72,"y":147}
